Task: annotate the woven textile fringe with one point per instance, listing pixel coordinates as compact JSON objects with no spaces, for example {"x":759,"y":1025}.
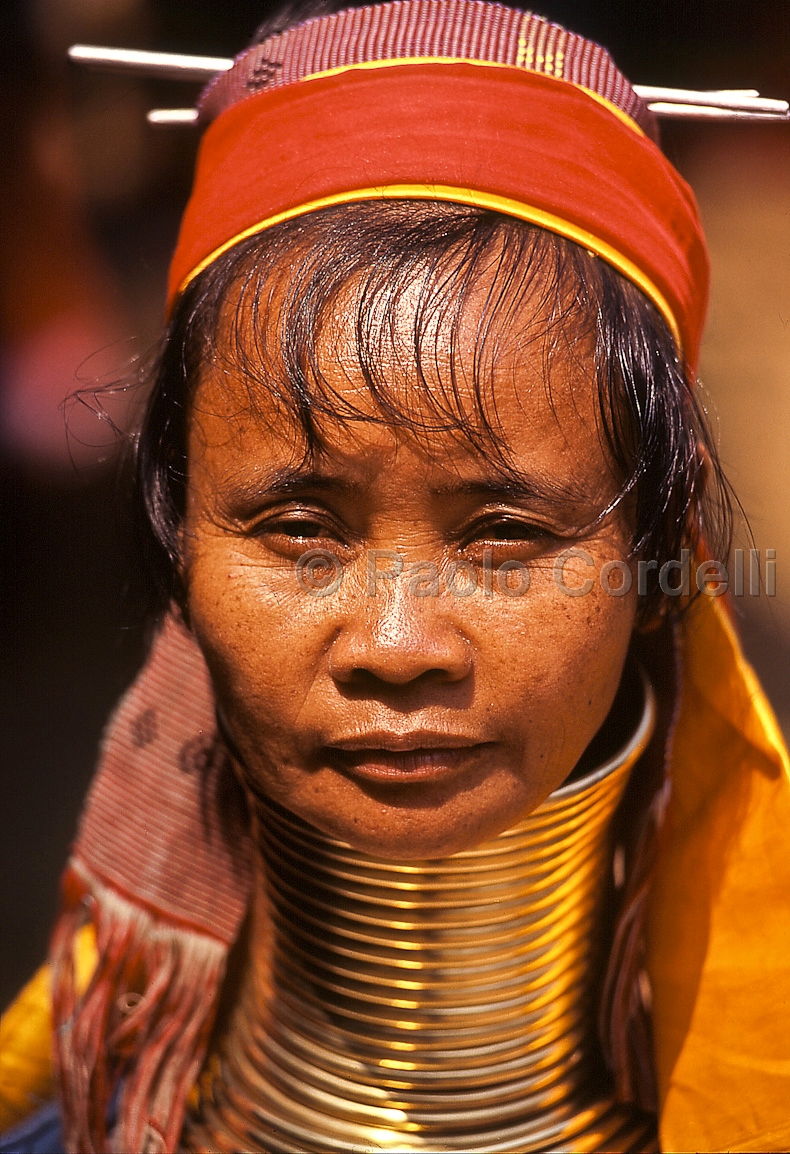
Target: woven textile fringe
{"x":141,"y":1028}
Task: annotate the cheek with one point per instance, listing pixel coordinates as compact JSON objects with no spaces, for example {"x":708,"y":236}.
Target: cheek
{"x":557,"y":659}
{"x":590,"y":638}
{"x":263,"y":639}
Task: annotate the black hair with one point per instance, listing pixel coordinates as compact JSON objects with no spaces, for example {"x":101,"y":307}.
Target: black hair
{"x":286,"y":281}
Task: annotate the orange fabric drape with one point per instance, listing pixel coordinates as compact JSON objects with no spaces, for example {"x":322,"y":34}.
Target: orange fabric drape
{"x":718,"y":926}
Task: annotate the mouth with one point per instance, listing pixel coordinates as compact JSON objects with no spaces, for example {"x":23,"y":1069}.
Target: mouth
{"x":404,"y":758}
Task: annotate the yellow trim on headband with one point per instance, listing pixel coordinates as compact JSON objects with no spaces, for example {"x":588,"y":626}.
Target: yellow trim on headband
{"x":486,"y":200}
{"x":389,"y":63}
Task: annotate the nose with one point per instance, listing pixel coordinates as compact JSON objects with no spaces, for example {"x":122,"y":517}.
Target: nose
{"x":397,"y":637}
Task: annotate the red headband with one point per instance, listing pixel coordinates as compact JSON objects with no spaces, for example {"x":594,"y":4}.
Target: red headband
{"x":453,"y":100}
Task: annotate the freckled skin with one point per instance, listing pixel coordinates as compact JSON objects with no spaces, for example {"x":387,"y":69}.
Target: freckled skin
{"x":525,"y":681}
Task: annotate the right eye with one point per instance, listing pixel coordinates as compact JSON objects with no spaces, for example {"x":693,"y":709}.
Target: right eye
{"x":299,"y":528}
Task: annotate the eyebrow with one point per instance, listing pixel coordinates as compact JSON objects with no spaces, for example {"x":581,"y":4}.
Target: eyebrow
{"x":288,"y":480}
{"x":296,"y":480}
{"x":526,"y":489}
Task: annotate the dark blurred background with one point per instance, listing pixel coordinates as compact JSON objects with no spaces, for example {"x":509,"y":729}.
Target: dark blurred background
{"x":90,"y":198}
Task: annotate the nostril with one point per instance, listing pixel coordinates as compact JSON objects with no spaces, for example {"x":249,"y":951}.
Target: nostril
{"x":365,"y":678}
{"x":366,"y":658}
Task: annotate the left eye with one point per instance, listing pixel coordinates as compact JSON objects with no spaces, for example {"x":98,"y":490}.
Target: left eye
{"x":509,"y":530}
{"x":299,"y":528}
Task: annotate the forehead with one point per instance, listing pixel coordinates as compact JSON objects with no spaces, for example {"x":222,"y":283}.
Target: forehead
{"x":485,"y":373}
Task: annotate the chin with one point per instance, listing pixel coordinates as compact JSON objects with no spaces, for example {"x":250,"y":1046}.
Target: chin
{"x":409,"y":833}
{"x":409,"y":822}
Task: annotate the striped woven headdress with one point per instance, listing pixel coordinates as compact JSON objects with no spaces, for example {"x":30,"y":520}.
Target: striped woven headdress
{"x":426,"y":30}
{"x":458,"y":100}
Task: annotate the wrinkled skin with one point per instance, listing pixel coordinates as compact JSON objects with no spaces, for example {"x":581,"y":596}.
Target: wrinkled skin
{"x":411,"y":726}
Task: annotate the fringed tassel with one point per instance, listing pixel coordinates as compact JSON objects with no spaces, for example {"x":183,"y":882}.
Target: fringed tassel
{"x":140,"y":1031}
{"x":625,"y":1022}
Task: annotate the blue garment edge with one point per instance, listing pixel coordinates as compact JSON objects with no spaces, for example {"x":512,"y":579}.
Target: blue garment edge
{"x":41,"y":1133}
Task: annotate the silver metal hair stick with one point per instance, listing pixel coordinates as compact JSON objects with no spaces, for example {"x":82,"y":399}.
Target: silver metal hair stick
{"x":166,"y":116}
{"x":734,"y":100}
{"x":167,"y":65}
{"x":668,"y":103}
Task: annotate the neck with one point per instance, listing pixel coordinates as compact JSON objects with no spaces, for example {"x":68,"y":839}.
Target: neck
{"x":438,"y":1005}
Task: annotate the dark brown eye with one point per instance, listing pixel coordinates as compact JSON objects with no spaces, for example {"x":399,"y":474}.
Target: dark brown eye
{"x":510,"y":529}
{"x":296,"y":527}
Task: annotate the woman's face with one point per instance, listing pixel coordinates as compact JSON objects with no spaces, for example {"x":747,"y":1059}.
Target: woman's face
{"x":403,"y":689}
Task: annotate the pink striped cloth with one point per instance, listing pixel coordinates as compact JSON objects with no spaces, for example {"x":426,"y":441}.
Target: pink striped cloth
{"x":162,"y":747}
{"x":406,"y":29}
{"x":161,"y":867}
